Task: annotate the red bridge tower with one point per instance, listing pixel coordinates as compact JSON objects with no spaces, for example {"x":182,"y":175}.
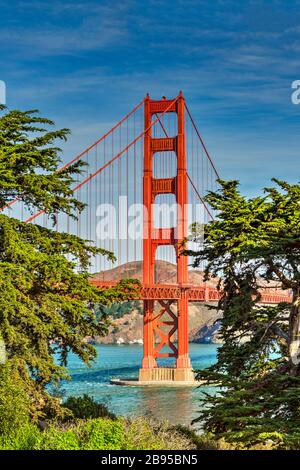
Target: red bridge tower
{"x":155,"y":322}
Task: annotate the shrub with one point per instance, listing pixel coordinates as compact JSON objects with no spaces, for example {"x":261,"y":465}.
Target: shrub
{"x":24,"y":438}
{"x":14,"y":401}
{"x":55,"y":439}
{"x":102,"y":434}
{"x":144,"y":434}
{"x":86,"y":407}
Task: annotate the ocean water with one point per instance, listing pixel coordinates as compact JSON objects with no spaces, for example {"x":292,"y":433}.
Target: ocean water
{"x":177,"y":405}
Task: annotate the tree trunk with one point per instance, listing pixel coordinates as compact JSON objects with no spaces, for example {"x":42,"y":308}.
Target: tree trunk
{"x":294,"y":333}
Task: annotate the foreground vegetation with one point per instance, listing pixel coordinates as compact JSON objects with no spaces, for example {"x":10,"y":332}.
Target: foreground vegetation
{"x":99,"y":434}
{"x":88,"y":425}
{"x":48,"y":305}
{"x":85,"y":425}
{"x":253,"y":243}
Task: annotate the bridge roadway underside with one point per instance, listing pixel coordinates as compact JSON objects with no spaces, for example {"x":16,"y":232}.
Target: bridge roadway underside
{"x":195,"y":293}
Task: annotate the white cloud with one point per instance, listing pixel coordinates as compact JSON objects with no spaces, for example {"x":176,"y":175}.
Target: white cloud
{"x":93,"y":27}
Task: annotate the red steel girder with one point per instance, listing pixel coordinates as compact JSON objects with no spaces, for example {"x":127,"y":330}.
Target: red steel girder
{"x":163,"y":144}
{"x":165,"y":337}
{"x":195,"y":293}
{"x":162,"y":106}
{"x":163,"y":185}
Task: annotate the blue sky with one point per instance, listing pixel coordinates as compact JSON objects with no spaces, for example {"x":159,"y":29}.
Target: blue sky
{"x":86,"y":63}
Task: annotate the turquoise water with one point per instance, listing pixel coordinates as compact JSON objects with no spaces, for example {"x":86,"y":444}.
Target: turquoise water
{"x":178,"y":405}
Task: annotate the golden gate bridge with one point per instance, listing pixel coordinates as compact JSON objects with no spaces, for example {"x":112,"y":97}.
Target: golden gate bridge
{"x":153,"y":158}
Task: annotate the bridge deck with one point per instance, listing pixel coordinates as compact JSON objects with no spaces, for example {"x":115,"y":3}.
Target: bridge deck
{"x":195,"y":293}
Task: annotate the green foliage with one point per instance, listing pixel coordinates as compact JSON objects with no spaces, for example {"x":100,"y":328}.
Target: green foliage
{"x":104,"y":434}
{"x":118,"y":310}
{"x":55,"y":439}
{"x":86,"y":407}
{"x":255,"y":243}
{"x":144,"y":434}
{"x":29,"y":162}
{"x":27,"y":437}
{"x":14,"y":402}
{"x":47,"y":302}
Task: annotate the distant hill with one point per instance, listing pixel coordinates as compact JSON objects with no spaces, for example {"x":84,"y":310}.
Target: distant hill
{"x":165,"y":273}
